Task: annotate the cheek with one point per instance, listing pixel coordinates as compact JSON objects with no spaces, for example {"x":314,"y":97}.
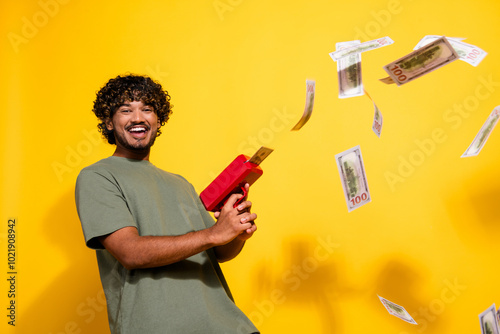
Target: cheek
{"x":155,"y":120}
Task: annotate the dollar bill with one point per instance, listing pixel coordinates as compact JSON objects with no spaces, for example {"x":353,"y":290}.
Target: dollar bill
{"x":353,"y":178}
{"x":310,"y":88}
{"x":422,"y":61}
{"x":488,"y":321}
{"x":397,"y":311}
{"x":366,"y":46}
{"x":498,"y":317}
{"x":469,"y":53}
{"x":483,"y":134}
{"x":377,"y":118}
{"x":387,"y":80}
{"x":431,"y":38}
{"x":260,"y":155}
{"x":349,"y":72}
{"x":377,"y":121}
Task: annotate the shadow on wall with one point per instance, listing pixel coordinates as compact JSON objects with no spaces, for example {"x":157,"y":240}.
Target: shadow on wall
{"x":399,"y":281}
{"x":74,"y":302}
{"x":311,"y":279}
{"x":402,"y":281}
{"x":474,"y":211}
{"x":307,"y":279}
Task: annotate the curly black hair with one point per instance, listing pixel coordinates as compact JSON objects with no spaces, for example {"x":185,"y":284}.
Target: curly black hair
{"x":130,"y":88}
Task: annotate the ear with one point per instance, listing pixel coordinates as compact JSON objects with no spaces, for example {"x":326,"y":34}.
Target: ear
{"x":109,"y":124}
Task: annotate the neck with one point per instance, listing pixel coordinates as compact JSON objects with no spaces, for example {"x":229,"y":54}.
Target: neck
{"x":132,"y":154}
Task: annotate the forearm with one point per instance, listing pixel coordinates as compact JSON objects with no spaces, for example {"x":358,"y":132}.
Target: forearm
{"x":138,"y":252}
{"x":227,"y":234}
{"x":229,"y":251}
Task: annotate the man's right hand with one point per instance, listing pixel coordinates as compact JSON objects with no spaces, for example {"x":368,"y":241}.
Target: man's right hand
{"x":232,"y":222}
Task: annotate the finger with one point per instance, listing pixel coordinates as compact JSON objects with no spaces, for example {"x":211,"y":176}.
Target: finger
{"x":232,"y":200}
{"x":244,"y":206}
{"x":250,"y":217}
{"x":247,"y":226}
{"x":216,"y":214}
{"x":250,"y":231}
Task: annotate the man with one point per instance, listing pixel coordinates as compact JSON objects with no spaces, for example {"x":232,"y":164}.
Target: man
{"x":157,"y":247}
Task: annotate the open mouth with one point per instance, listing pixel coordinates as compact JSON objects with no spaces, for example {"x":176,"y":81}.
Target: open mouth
{"x":138,"y":131}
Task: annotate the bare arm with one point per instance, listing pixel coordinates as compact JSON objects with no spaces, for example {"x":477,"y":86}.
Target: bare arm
{"x":134,"y":251}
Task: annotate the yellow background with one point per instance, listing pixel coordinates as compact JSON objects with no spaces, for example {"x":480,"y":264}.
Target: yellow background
{"x":236,"y":71}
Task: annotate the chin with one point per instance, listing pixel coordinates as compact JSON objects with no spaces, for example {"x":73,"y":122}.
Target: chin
{"x":143,"y":146}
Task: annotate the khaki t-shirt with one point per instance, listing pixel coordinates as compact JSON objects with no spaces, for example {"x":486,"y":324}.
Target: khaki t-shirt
{"x":190,"y":296}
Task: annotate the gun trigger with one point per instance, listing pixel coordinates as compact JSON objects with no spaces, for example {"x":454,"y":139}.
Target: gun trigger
{"x":245,"y":193}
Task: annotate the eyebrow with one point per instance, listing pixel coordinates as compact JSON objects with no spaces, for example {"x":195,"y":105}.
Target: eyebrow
{"x":128,"y":105}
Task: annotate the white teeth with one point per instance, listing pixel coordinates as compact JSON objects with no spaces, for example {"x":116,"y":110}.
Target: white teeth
{"x":137,"y":129}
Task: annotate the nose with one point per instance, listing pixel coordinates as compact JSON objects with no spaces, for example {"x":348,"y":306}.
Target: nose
{"x":137,"y":116}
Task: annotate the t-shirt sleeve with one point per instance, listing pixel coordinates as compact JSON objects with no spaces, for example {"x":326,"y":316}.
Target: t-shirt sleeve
{"x":101,"y":206}
{"x":208,"y":220}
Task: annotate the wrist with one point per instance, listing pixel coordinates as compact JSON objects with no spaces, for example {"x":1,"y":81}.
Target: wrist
{"x":210,"y":237}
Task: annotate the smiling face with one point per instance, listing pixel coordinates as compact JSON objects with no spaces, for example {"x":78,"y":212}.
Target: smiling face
{"x":135,"y":126}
